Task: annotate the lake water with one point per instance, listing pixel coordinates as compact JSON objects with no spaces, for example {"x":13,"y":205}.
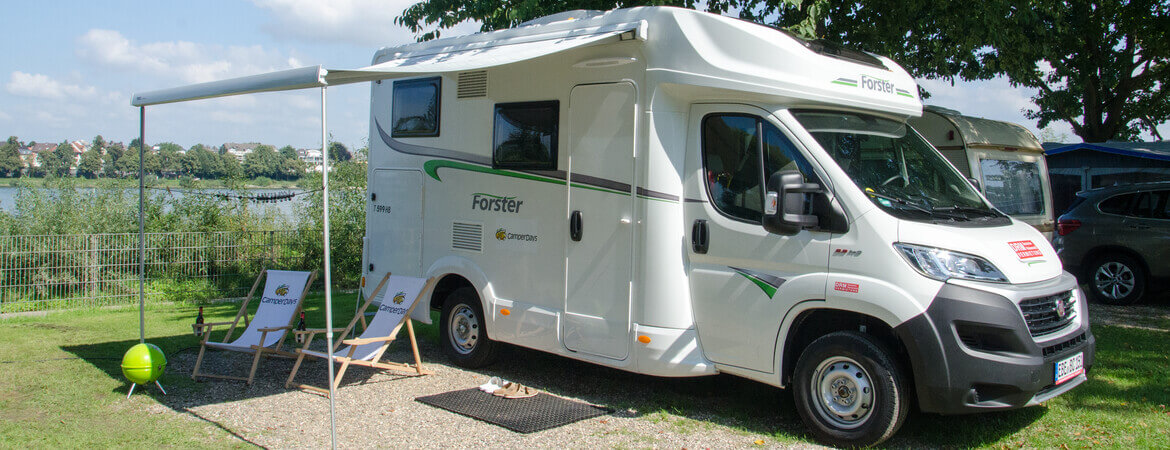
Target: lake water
{"x":286,"y":208}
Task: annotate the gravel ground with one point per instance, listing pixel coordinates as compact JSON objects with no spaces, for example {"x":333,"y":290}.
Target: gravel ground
{"x":377,"y":409}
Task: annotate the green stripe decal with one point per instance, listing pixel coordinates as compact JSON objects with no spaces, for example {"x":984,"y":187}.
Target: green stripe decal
{"x":844,"y":83}
{"x":432,"y":168}
{"x":905,"y":95}
{"x":768,"y":289}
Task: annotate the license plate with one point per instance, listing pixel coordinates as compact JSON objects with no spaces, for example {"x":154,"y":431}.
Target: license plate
{"x":1069,"y":368}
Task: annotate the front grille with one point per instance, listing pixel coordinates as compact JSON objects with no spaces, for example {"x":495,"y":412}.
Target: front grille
{"x":1062,"y":346}
{"x":1044,"y":314}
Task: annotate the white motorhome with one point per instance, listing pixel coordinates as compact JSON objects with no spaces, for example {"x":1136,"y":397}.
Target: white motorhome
{"x":677,"y":193}
{"x":1005,"y":158}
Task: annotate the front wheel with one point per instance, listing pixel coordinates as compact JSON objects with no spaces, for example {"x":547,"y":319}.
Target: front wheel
{"x":465,"y":339}
{"x":849,"y":391}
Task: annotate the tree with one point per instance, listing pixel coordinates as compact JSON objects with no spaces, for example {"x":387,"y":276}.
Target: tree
{"x":58,"y":161}
{"x":10,"y":162}
{"x":291,"y":166}
{"x":338,"y":152}
{"x":91,"y":163}
{"x":114,"y":153}
{"x":168,"y":157}
{"x":1102,"y":67}
{"x":262,"y":161}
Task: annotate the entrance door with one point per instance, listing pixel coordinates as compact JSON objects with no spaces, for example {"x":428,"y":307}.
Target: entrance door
{"x":744,"y":279}
{"x":599,"y":253}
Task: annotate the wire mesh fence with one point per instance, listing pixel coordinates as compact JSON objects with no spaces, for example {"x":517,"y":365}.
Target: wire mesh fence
{"x":81,"y":271}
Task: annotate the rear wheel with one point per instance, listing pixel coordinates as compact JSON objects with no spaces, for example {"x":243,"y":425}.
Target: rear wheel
{"x":849,"y":391}
{"x":465,"y":338}
{"x":1117,"y":280}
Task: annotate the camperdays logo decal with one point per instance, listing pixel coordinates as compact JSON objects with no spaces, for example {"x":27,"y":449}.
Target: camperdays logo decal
{"x":502,"y":234}
{"x":282,"y":289}
{"x":399,"y":298}
{"x":873,"y":84}
{"x":766,"y":283}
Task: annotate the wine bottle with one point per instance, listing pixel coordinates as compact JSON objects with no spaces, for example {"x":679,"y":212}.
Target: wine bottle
{"x":198,"y":322}
{"x":301,"y":327}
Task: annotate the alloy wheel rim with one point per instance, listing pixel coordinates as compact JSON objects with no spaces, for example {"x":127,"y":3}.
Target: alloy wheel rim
{"x":1114,"y":280}
{"x":463,"y":329}
{"x":843,"y":392}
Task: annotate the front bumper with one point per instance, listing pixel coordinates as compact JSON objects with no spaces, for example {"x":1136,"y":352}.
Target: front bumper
{"x":972,"y":350}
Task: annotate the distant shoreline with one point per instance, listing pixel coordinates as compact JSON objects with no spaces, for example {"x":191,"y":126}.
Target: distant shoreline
{"x":166,"y":183}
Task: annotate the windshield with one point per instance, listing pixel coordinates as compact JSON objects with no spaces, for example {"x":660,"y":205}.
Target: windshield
{"x":1013,"y":186}
{"x":900,"y":172}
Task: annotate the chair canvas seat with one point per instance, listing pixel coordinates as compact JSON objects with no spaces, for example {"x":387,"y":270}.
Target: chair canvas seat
{"x":280,"y":301}
{"x":396,"y":297}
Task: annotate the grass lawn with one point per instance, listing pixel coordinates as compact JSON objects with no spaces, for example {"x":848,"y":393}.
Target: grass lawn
{"x":61,"y":382}
{"x":50,"y":398}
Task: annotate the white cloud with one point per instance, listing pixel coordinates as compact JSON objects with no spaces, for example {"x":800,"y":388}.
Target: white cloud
{"x":182,"y":61}
{"x":41,"y":86}
{"x":363,"y":22}
{"x":4,"y":116}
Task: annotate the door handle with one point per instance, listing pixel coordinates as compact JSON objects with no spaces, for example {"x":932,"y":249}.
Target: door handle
{"x":575,"y":226}
{"x":700,"y":238}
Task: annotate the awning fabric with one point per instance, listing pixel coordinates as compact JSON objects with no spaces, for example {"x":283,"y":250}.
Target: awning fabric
{"x":458,"y":56}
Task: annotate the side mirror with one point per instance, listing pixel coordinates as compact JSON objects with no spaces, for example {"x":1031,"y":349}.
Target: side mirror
{"x":786,"y":206}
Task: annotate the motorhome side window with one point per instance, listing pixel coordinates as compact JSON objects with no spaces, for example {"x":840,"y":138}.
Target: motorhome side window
{"x":525,"y":135}
{"x":732,"y":147}
{"x":415,"y":107}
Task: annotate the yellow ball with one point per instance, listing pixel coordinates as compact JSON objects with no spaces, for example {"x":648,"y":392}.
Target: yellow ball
{"x":143,"y":363}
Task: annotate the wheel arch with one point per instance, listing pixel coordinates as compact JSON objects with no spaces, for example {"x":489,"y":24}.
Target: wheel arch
{"x":814,"y":322}
{"x":1097,"y":252}
{"x":455,"y":272}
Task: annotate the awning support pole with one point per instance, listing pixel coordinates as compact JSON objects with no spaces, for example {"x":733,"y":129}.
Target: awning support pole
{"x":328,"y":284}
{"x":141,"y":226}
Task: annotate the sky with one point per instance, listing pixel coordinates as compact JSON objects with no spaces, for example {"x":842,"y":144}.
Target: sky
{"x":70,"y":68}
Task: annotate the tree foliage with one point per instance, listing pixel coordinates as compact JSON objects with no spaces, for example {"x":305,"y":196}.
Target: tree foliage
{"x":338,"y":152}
{"x":10,"y":163}
{"x":90,"y":165}
{"x":1100,"y":66}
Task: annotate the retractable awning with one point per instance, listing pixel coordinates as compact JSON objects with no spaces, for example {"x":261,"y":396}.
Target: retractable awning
{"x":460,"y":55}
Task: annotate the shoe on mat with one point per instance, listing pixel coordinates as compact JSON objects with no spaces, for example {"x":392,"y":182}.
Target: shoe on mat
{"x":522,"y":392}
{"x":506,"y":389}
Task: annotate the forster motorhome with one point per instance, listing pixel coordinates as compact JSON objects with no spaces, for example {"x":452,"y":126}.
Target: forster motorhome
{"x":1005,"y":158}
{"x":677,"y":193}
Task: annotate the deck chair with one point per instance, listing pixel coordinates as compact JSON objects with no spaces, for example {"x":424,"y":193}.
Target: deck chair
{"x":281,"y":302}
{"x":367,"y":349}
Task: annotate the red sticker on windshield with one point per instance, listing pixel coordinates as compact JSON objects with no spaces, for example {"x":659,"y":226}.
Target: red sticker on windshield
{"x":1025,"y":249}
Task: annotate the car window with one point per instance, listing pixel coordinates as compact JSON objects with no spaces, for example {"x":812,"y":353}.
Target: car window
{"x":1164,"y":211}
{"x":732,"y":155}
{"x":1117,"y":204}
{"x":1144,"y":206}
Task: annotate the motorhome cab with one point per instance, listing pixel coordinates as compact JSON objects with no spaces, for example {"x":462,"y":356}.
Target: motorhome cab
{"x":1005,"y":159}
{"x":677,"y":193}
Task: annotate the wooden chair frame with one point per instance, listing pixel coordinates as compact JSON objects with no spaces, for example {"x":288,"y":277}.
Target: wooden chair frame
{"x":353,"y":344}
{"x":258,"y":350}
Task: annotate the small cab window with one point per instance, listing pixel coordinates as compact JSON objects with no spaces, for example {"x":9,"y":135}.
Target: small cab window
{"x":1150,"y":205}
{"x":739,"y":152}
{"x":1013,"y":186}
{"x":525,"y":135}
{"x":1117,"y":205}
{"x":415,"y":107}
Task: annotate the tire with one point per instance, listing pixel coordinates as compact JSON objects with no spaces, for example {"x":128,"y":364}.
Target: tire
{"x":849,"y":390}
{"x":1116,"y":279}
{"x":462,"y":330}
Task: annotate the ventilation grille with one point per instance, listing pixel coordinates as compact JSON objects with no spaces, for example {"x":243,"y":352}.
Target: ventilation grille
{"x":1047,"y":315}
{"x":472,"y":84}
{"x":467,"y":236}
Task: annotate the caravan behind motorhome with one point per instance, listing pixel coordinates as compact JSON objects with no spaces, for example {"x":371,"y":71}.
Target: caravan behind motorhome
{"x":1005,"y":159}
{"x":677,"y":193}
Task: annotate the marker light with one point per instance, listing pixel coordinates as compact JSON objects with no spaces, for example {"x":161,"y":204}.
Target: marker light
{"x":944,"y":264}
{"x":644,"y":339}
{"x":506,"y":312}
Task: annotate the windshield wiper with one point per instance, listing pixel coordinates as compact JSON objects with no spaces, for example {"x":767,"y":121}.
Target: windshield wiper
{"x":900,"y":201}
{"x":967,"y":209}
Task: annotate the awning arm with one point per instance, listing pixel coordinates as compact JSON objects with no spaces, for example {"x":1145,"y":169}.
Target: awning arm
{"x":284,"y":80}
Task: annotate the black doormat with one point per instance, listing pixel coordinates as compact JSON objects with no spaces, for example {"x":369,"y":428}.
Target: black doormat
{"x":522,"y":415}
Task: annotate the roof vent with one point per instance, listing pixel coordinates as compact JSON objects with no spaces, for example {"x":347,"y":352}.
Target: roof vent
{"x":472,"y":84}
{"x":467,"y":236}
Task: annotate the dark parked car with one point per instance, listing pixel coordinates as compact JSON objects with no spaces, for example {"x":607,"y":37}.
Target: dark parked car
{"x":1117,"y":240}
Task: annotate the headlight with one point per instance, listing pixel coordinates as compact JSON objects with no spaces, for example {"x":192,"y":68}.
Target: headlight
{"x":944,"y":264}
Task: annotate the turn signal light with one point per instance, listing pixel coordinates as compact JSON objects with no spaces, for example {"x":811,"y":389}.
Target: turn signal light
{"x":506,"y":312}
{"x":1066,"y":226}
{"x":644,"y":339}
